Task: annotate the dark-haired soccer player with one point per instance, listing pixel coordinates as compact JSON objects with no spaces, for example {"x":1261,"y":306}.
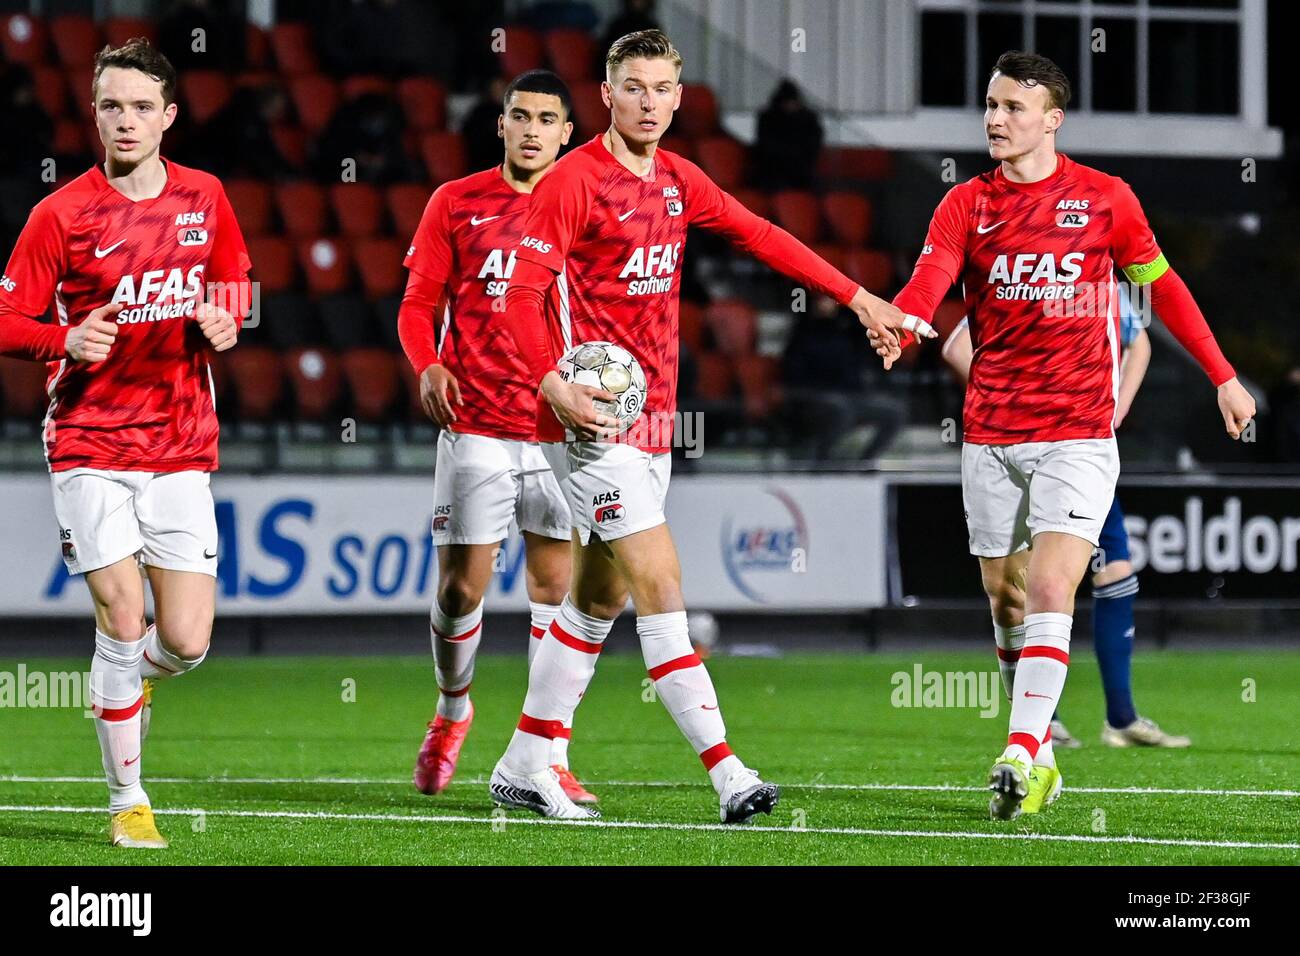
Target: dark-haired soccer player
{"x":1036,"y":242}
{"x":490,"y":469}
{"x":135,"y":256}
{"x":607,"y":227}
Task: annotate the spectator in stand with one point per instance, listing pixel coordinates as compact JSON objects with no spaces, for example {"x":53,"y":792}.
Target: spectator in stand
{"x":237,"y":141}
{"x":635,"y":15}
{"x":789,"y":140}
{"x":369,"y":130}
{"x":384,"y":37}
{"x":23,"y":153}
{"x":479,"y":128}
{"x":222,"y":36}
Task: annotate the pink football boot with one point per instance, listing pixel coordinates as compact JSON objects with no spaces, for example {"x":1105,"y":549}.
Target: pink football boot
{"x":436,"y":764}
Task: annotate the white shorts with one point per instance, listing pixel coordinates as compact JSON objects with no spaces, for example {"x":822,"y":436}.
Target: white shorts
{"x":614,"y":489}
{"x":481,"y":484}
{"x":1013,"y":492}
{"x":168,"y":519}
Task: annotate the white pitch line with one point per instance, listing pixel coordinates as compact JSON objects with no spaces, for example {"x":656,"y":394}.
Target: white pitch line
{"x":707,"y":827}
{"x":482,"y":781}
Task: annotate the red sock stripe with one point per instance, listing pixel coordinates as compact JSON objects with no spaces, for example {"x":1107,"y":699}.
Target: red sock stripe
{"x":1048,"y":738}
{"x":1005,"y":655}
{"x":455,"y":638}
{"x":454,"y":693}
{"x":119,"y":713}
{"x":566,"y":733}
{"x":1028,"y":741}
{"x":550,"y":729}
{"x":715,"y":755}
{"x":1042,"y":650}
{"x":577,"y":643}
{"x":161,"y":667}
{"x":538,"y":632}
{"x":677,"y":664}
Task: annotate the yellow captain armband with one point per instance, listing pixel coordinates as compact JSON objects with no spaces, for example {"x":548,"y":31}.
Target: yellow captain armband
{"x":1144,"y":273}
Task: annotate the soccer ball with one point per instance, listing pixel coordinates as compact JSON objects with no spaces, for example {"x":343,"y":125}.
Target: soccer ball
{"x":607,"y":366}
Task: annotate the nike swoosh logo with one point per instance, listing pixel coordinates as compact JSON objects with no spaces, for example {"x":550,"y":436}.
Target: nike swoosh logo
{"x":1044,"y":696}
{"x":209,"y":557}
{"x":127,"y":763}
{"x":1078,"y":517}
{"x":476,"y":221}
{"x":983,"y":229}
{"x":100,"y":253}
{"x":707,"y":707}
{"x":623,"y":217}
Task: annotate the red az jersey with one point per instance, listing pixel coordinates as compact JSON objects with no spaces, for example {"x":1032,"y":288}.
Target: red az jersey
{"x":466,"y":239}
{"x":1037,"y":264}
{"x":615,"y":241}
{"x":150,"y":406}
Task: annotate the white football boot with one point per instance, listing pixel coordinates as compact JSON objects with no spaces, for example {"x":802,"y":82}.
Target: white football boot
{"x":1143,"y":732}
{"x":1061,"y":736}
{"x":540,"y":792}
{"x":745,"y":794}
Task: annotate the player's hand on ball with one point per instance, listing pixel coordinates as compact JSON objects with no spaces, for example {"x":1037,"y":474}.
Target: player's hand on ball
{"x":1237,"y":406}
{"x":92,"y":340}
{"x":573,"y":406}
{"x":438,"y":391}
{"x":217,"y":325}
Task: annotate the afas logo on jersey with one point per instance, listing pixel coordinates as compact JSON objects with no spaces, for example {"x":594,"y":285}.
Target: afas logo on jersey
{"x":158,"y":294}
{"x":1073,"y":204}
{"x":189,"y":219}
{"x":1033,"y":277}
{"x":497,"y":268}
{"x":653,"y":268}
{"x":7,"y":284}
{"x":532,"y":242}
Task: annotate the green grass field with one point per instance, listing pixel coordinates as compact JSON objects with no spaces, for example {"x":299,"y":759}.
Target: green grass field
{"x":262,"y":761}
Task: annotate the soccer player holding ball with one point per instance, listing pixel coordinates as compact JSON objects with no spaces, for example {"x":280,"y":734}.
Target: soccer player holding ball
{"x":1035,"y":243}
{"x":607,"y":227}
{"x":137,"y":256}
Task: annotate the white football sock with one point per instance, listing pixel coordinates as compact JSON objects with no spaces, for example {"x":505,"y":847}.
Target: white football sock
{"x":542,"y":615}
{"x":683,"y":685}
{"x":455,"y":643}
{"x":561,"y":671}
{"x":1010,"y":641}
{"x":1040,"y":678}
{"x":158,"y":663}
{"x":116,"y":697}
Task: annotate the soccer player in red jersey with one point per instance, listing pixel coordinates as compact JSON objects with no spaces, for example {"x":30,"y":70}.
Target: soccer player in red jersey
{"x":134,"y":256}
{"x":607,"y":227}
{"x":490,"y":469}
{"x":1036,"y":242}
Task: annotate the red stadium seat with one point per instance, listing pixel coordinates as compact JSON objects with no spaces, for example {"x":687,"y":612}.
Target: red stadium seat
{"x":697,"y":117}
{"x":690,"y":325}
{"x":76,"y":39}
{"x":315,"y":380}
{"x":723,"y":159}
{"x":849,"y":216}
{"x":257,"y":47}
{"x":251,"y":200}
{"x":424,"y":103}
{"x":832,"y":253}
{"x":716,"y":380}
{"x":680,"y":145}
{"x":25,"y":39}
{"x":590,"y":113}
{"x":798,"y":213}
{"x":873,"y":269}
{"x":379,"y":261}
{"x":443,"y":155}
{"x":406,"y":202}
{"x":735,"y":326}
{"x":22,"y":387}
{"x":117,"y":30}
{"x":523,"y":51}
{"x":355,"y":86}
{"x":295,"y":53}
{"x":327,"y":265}
{"x":303,"y":209}
{"x":571,"y":53}
{"x":80,"y":82}
{"x":291,"y":142}
{"x":52,"y":91}
{"x":70,"y":137}
{"x":358,"y":208}
{"x":256,"y":377}
{"x":274,"y":265}
{"x":755,"y":201}
{"x":855,"y":163}
{"x":373,"y":379}
{"x":315,"y":98}
{"x":757,"y":375}
{"x":204,"y":93}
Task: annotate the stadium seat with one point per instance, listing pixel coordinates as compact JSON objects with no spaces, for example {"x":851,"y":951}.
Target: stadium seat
{"x":290,"y":320}
{"x":855,"y":163}
{"x":295,"y":53}
{"x":680,"y":145}
{"x":755,"y":201}
{"x":303,"y":209}
{"x":315,"y":98}
{"x":358,"y":208}
{"x":571,"y":53}
{"x":70,"y":138}
{"x":374,"y":381}
{"x":523,"y":51}
{"x":734,"y":324}
{"x":25,"y":39}
{"x":443,"y":155}
{"x":273,"y":263}
{"x":257,"y":381}
{"x":849,"y":216}
{"x":51,"y":87}
{"x":798,"y":213}
{"x":406,"y":202}
{"x":873,"y":269}
{"x":690,"y":325}
{"x":117,"y":30}
{"x":723,"y":159}
{"x":251,"y":201}
{"x":76,"y":39}
{"x":424,"y":103}
{"x":697,"y":117}
{"x":315,"y":381}
{"x":345,"y":321}
{"x":22,"y":387}
{"x":291,"y":141}
{"x":379,"y":262}
{"x":204,"y":93}
{"x":716,"y":380}
{"x":257,"y":47}
{"x":757,"y":377}
{"x":327,"y":265}
{"x":366,"y":84}
{"x":832,"y":253}
{"x":590,"y":114}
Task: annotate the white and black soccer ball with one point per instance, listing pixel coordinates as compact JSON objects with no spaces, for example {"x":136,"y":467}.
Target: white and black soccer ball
{"x":610,"y":367}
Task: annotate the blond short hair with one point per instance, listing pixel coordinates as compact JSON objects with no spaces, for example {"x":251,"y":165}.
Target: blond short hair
{"x":643,"y":44}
